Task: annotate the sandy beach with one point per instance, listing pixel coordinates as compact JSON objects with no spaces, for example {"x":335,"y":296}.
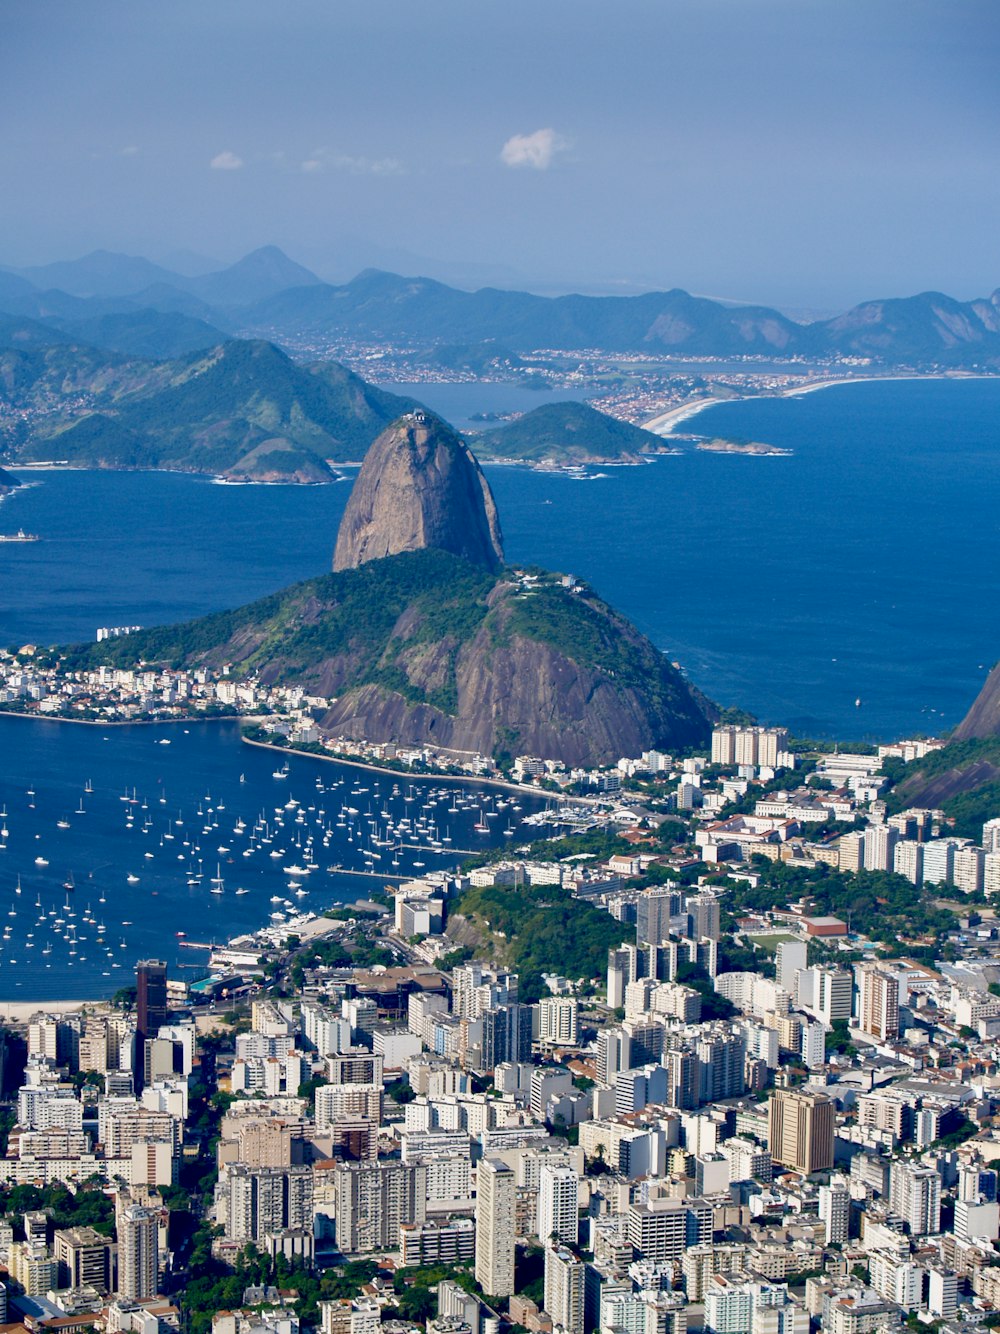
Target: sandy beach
{"x":20,"y":1012}
{"x":664,"y":423}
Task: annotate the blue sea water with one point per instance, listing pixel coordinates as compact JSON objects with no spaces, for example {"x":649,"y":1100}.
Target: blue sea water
{"x":865,"y":566}
{"x":165,"y":808}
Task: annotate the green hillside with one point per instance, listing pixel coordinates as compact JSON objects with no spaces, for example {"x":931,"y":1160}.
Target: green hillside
{"x":428,"y":648}
{"x":242,"y":408}
{"x":568,"y":433}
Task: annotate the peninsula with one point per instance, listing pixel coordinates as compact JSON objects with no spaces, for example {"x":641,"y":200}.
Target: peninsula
{"x":422,"y":636}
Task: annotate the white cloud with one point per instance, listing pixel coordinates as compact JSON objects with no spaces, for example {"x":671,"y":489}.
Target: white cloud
{"x":322,"y":159}
{"x":226,"y":161}
{"x":130,"y":150}
{"x":533,"y":150}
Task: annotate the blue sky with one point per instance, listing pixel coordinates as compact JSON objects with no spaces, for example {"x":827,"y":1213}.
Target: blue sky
{"x":800,"y":152}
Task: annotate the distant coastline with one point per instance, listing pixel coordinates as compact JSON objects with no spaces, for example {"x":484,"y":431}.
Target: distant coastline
{"x":664,"y":423}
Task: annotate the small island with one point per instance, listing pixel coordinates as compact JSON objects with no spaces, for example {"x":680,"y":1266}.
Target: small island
{"x":754,"y":447}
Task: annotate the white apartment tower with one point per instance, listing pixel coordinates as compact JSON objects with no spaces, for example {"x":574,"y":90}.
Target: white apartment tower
{"x":835,"y":1210}
{"x":557,"y":1021}
{"x":558,"y":1204}
{"x":138,"y":1252}
{"x":495,"y":1228}
{"x":880,"y":843}
{"x":915,"y":1195}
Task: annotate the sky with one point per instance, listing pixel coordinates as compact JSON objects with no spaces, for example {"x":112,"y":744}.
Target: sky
{"x":803,"y":153}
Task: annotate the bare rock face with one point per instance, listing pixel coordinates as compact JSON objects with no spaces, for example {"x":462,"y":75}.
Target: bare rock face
{"x":419,"y":486}
{"x":983,"y":719}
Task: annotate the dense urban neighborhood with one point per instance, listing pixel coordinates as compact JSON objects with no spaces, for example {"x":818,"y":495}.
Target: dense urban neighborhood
{"x":721,"y":1054}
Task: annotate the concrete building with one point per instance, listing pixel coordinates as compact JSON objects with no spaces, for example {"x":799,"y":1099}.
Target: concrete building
{"x":495,"y":1199}
{"x":835,"y":1210}
{"x":138,"y":1250}
{"x":558,"y":1203}
{"x":801,"y":1130}
{"x":564,"y":1289}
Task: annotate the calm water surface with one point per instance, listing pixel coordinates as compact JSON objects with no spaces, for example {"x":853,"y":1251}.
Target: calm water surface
{"x":862,"y":568}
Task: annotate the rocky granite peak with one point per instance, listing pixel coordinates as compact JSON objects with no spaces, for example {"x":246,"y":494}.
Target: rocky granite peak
{"x":419,"y":487}
{"x":983,"y":719}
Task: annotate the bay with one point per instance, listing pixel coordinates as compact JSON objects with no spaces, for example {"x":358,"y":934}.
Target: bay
{"x":865,"y":566}
{"x":861,"y":567}
{"x":165,"y":808}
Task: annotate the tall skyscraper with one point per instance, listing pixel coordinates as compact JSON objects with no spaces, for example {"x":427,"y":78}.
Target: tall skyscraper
{"x":138,"y":1252}
{"x":495,"y":1198}
{"x":801,"y":1130}
{"x":151,"y":997}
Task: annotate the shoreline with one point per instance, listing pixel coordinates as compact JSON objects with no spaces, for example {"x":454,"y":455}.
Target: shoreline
{"x":125,"y":722}
{"x":663,"y":423}
{"x":409,"y":774}
{"x":19,"y":1012}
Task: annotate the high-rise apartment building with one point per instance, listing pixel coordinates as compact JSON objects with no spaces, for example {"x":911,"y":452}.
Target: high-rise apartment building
{"x":506,"y":1035}
{"x":558,"y":1021}
{"x":834,"y":992}
{"x":915,"y":1195}
{"x":880,"y":844}
{"x":495,"y":1199}
{"x":264,"y":1201}
{"x":372,"y":1200}
{"x":558,"y":1204}
{"x":564,"y":1289}
{"x":835,"y":1210}
{"x":138,"y":1252}
{"x":878,"y":1001}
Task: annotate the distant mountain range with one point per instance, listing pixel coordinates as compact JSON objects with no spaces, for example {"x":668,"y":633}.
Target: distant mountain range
{"x":268,"y":295}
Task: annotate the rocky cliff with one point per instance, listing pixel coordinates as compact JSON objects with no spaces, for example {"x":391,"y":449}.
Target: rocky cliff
{"x":983,"y":719}
{"x":429,"y":648}
{"x":419,"y":487}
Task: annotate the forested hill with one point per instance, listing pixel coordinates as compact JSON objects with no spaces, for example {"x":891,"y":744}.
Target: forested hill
{"x":568,"y":433}
{"x":243,"y":410}
{"x":427,"y":648}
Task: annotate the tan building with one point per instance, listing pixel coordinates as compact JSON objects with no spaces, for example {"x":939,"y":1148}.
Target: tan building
{"x":879,"y":993}
{"x":85,"y":1259}
{"x":801,"y":1129}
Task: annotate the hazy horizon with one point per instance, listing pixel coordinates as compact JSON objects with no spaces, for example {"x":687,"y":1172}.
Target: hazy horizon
{"x":784,"y":152}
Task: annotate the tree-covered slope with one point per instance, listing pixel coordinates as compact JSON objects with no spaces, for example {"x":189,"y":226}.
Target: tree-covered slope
{"x":426,"y":648}
{"x":568,"y":433}
{"x":241,"y":408}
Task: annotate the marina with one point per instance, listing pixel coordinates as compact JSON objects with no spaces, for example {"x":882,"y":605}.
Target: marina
{"x":206,"y":837}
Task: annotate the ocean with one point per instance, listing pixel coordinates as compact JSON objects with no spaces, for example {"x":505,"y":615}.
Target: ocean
{"x":849,"y":590}
{"x":862,"y":567}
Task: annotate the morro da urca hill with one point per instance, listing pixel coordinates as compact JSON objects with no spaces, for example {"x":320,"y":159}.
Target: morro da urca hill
{"x":983,"y":719}
{"x":419,"y":486}
{"x":439,"y":643}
